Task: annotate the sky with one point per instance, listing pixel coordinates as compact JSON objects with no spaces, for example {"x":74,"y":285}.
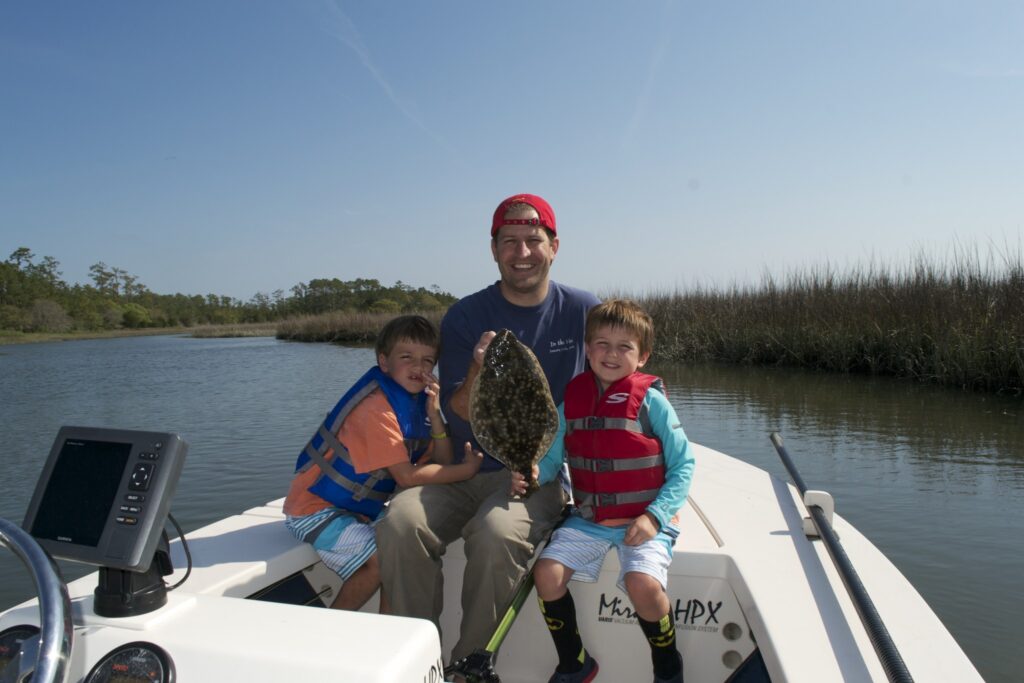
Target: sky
{"x":243,"y":146}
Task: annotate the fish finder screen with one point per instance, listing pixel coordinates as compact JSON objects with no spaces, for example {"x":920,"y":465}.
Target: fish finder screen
{"x":64,"y":513}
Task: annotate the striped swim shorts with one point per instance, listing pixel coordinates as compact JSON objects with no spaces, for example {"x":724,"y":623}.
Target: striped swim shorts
{"x":582,"y":546}
{"x":342,"y":541}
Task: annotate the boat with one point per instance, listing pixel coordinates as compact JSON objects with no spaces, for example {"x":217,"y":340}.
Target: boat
{"x":755,"y":592}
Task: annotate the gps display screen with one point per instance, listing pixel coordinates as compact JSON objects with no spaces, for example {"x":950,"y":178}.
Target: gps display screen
{"x":82,"y":467}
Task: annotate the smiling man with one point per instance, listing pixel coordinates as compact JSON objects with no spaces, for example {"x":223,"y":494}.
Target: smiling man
{"x":500,"y":534}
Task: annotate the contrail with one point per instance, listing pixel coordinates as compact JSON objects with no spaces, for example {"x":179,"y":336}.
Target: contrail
{"x":661,"y":48}
{"x":344,"y":30}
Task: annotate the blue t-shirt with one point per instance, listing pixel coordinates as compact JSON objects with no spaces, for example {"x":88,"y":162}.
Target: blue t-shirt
{"x":553,"y":329}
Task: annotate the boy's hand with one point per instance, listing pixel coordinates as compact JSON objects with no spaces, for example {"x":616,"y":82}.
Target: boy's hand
{"x":472,"y":459}
{"x":433,"y":392}
{"x":481,"y":346}
{"x":519,"y":483}
{"x":643,"y":529}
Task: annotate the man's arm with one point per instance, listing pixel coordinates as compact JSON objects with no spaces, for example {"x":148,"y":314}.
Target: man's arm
{"x":459,"y":401}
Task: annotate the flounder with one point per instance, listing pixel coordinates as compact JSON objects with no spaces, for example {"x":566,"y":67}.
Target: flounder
{"x":511,"y":410}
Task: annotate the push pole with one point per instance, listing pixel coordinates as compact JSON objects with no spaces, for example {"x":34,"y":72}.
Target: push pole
{"x":892,"y":663}
{"x":478,"y":667}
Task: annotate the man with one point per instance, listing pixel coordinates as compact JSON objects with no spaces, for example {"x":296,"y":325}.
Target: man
{"x":500,"y":534}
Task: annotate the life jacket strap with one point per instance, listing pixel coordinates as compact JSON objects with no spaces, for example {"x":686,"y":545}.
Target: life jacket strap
{"x":615,"y":464}
{"x":366,"y":490}
{"x":344,"y":482}
{"x":586,"y":501}
{"x":592,"y":422}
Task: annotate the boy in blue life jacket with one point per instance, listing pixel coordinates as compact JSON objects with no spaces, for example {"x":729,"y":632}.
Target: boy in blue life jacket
{"x":631,"y":466}
{"x":385,"y":432}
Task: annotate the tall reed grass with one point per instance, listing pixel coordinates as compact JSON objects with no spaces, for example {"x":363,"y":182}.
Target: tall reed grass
{"x":958,"y":321}
{"x":236,"y":330}
{"x":341,"y":327}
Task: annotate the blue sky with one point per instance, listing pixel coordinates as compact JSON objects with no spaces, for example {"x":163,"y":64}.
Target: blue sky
{"x":235,"y":146}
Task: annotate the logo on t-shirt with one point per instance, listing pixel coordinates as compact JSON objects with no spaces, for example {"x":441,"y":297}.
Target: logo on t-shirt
{"x":561,"y":345}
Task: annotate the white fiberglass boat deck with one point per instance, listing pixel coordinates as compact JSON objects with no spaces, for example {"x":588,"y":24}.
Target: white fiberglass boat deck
{"x":745,"y":582}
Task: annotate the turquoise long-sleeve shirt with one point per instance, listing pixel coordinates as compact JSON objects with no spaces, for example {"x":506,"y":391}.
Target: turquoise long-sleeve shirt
{"x":679,"y":462}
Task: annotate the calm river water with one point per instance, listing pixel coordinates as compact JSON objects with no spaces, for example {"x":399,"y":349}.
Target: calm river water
{"x":934,"y":477}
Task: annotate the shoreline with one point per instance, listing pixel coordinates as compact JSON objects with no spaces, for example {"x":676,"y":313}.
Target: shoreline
{"x":8,"y":338}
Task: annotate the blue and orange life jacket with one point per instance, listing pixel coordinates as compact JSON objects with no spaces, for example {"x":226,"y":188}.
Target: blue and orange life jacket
{"x":616,"y":463}
{"x":339,"y":483}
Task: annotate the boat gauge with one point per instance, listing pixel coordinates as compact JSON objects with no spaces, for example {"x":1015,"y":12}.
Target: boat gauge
{"x":137,"y":662}
{"x":11,"y":640}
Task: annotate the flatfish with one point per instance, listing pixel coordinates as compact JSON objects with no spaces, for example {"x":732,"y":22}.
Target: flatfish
{"x":511,"y":410}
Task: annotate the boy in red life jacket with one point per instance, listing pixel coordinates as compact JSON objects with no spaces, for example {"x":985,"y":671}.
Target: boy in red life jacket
{"x":379,"y":436}
{"x":631,"y":466}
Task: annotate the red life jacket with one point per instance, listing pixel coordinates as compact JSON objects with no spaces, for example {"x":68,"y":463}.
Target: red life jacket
{"x":616,"y":462}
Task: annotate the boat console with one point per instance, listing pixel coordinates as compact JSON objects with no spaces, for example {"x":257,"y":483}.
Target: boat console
{"x":102,"y":498}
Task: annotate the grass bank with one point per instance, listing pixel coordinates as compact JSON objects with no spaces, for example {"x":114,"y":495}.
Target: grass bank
{"x":341,"y":327}
{"x":238,"y":330}
{"x":12,"y":337}
{"x":958,"y":322}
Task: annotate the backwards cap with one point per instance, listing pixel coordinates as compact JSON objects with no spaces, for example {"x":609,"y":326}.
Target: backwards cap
{"x":546,"y":216}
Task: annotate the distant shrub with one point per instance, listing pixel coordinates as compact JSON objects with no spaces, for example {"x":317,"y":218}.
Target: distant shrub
{"x":48,"y":316}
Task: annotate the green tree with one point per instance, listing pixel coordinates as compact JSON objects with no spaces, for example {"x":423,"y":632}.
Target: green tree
{"x":385,"y":306}
{"x":135,"y":316}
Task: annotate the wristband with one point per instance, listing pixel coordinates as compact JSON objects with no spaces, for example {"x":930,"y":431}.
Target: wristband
{"x":442,"y":435}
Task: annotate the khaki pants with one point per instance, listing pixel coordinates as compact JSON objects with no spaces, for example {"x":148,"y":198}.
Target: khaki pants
{"x":501,"y":536}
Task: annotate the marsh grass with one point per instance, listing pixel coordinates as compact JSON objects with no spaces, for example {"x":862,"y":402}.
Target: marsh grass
{"x":958,"y":321}
{"x":341,"y":327}
{"x":239,"y":330}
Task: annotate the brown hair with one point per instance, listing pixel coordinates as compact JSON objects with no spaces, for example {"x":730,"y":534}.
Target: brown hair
{"x":626,"y":314}
{"x":413,"y":328}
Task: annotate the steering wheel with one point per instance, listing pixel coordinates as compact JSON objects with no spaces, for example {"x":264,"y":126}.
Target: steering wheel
{"x":52,"y":647}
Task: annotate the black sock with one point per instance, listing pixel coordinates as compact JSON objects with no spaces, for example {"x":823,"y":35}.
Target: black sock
{"x":661,"y":636}
{"x":560,"y":616}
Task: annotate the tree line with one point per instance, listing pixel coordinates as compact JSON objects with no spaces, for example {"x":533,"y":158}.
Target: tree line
{"x":34,"y":298}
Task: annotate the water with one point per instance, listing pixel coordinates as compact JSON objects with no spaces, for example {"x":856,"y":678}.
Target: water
{"x":935,"y":478}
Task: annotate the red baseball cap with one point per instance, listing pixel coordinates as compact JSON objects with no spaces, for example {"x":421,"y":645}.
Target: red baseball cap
{"x":546,"y":214}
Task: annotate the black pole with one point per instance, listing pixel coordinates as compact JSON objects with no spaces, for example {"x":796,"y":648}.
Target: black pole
{"x":892,"y":663}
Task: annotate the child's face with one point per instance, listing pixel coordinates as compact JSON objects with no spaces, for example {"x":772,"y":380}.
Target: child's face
{"x":410,"y":364}
{"x":614,"y":353}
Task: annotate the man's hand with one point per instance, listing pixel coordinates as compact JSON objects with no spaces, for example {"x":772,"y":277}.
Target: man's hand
{"x":459,"y":402}
{"x":481,"y":346}
{"x":643,"y":528}
{"x":519,"y":483}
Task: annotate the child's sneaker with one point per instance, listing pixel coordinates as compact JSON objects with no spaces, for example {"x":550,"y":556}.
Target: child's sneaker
{"x":584,"y":675}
